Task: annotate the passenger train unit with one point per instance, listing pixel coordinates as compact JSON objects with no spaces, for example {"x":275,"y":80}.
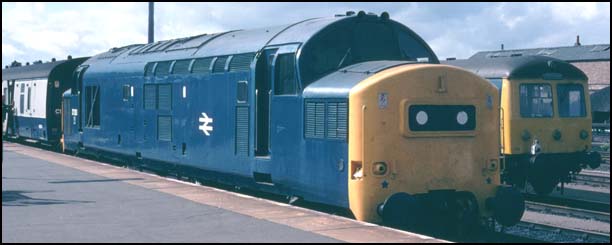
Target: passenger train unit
{"x":546,"y":118}
{"x":353,"y":111}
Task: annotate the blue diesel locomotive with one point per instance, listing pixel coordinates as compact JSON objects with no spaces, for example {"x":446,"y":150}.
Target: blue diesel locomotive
{"x":353,"y":111}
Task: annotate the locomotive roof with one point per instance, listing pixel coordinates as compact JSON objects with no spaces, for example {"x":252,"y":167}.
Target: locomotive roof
{"x":338,"y":84}
{"x":232,"y":42}
{"x":41,"y":70}
{"x":519,"y":67}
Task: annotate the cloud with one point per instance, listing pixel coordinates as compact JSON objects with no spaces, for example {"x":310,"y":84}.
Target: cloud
{"x":33,"y":31}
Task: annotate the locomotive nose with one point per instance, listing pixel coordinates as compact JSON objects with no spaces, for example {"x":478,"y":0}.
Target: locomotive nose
{"x":508,"y":205}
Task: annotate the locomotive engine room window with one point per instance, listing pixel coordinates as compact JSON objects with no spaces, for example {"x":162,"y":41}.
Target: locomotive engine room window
{"x":285,"y":78}
{"x":536,"y":100}
{"x":92,"y":106}
{"x":571,"y":100}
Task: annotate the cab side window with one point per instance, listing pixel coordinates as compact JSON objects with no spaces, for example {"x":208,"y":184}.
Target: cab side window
{"x":285,"y":81}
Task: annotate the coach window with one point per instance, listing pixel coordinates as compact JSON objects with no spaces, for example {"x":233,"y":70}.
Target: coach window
{"x":536,"y":100}
{"x":285,"y":78}
{"x":21,"y":97}
{"x":29,"y":98}
{"x":571,"y":100}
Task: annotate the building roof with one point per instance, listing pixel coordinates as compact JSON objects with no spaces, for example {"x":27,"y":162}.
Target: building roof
{"x":519,"y":67}
{"x":596,"y":52}
{"x":600,"y":100}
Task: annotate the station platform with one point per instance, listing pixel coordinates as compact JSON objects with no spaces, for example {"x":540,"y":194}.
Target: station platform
{"x":52,"y":197}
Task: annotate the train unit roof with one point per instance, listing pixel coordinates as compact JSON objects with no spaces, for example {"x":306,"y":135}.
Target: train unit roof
{"x":520,"y":67}
{"x":39,"y":70}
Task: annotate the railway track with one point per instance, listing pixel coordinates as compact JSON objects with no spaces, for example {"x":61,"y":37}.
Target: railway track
{"x":569,"y":203}
{"x":549,"y":233}
{"x":567,"y":211}
{"x":593,"y":178}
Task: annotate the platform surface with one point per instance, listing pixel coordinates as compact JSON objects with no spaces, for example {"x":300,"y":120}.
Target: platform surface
{"x":51,"y":197}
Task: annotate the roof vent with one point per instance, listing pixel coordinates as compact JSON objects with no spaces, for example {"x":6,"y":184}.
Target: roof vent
{"x":502,"y":46}
{"x":361,"y":14}
{"x":53,"y":59}
{"x":69,"y":57}
{"x":516,"y":54}
{"x":350,"y":13}
{"x":15,"y":64}
{"x":5,"y":67}
{"x":37,"y":62}
{"x":27,"y":63}
{"x":451,"y":58}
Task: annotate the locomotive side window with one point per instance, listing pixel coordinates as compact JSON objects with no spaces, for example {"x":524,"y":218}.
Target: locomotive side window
{"x":536,"y":100}
{"x":92,"y":106}
{"x":284,"y":77}
{"x":242,"y":92}
{"x":571,"y":100}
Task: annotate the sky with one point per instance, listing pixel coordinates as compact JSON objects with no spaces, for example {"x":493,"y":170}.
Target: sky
{"x":41,"y":31}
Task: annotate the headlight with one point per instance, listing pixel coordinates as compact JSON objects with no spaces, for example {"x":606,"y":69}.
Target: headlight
{"x":526,"y":135}
{"x":584,"y":134}
{"x":422,"y":117}
{"x":462,"y":117}
{"x":380,"y":168}
{"x":557,"y":135}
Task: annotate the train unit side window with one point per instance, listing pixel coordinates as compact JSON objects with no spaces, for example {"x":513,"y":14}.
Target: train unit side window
{"x":285,"y":77}
{"x":92,"y":106}
{"x":21,"y":98}
{"x":536,"y":100}
{"x":571,"y":100}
